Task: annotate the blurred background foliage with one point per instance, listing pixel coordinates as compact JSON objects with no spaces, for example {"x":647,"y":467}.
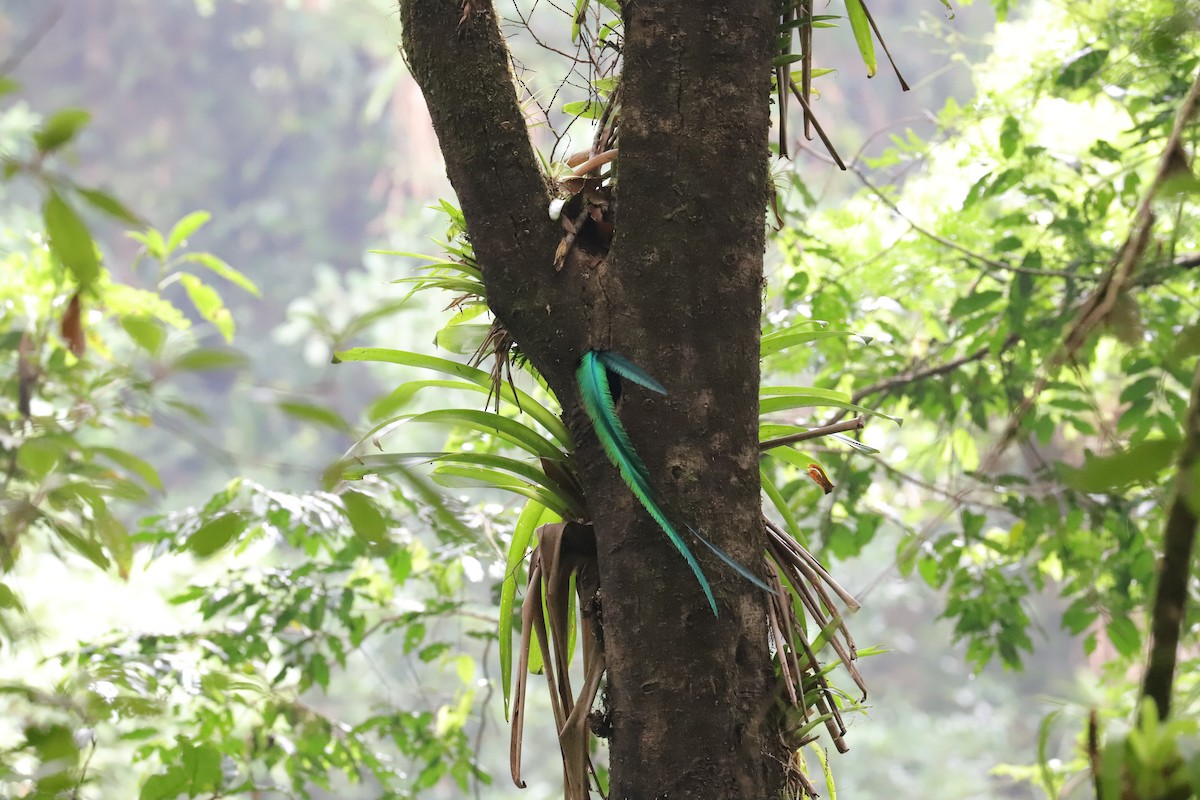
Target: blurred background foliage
{"x":191,"y":606}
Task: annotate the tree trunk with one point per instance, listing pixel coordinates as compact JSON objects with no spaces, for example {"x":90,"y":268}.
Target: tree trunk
{"x":691,"y":698}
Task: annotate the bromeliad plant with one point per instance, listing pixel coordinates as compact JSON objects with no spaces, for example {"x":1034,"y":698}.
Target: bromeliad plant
{"x":522,"y":447}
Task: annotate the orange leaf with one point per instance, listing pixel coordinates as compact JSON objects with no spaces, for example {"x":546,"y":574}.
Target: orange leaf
{"x":72,"y":326}
{"x":820,"y":477}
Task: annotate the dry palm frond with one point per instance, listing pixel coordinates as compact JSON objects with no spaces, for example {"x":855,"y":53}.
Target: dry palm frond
{"x":499,"y":344}
{"x":565,"y":557}
{"x":804,"y":678}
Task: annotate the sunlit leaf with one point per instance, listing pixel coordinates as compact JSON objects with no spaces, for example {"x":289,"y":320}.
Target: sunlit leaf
{"x":206,"y":359}
{"x":311,"y":412}
{"x":211,"y":262}
{"x":209,"y":303}
{"x":70,"y":240}
{"x":366,"y":519}
{"x":185,"y":228}
{"x":60,"y":128}
{"x":102,"y":201}
{"x":138,"y":466}
{"x":481,"y":380}
{"x":862,"y":34}
{"x":1081,"y":69}
{"x":532,"y":515}
{"x":216,"y":533}
{"x":148,"y":333}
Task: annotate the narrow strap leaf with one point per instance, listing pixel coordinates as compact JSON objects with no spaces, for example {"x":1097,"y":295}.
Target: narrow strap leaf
{"x":629,"y":371}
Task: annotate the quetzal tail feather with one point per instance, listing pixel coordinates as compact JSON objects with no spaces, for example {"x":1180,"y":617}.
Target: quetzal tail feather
{"x":628,"y":370}
{"x":731,"y":561}
{"x":598,"y":403}
{"x":597,"y":398}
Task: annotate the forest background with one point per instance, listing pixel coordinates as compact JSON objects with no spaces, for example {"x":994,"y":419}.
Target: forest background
{"x":190,"y":586}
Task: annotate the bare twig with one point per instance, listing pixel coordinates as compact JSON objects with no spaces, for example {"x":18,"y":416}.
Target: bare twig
{"x":809,"y":117}
{"x":826,"y":430}
{"x":32,"y":39}
{"x":930,"y":372}
{"x":950,"y":243}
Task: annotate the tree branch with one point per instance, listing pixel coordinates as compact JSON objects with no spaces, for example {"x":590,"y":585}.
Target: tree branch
{"x":459,"y":59}
{"x":945,"y":368}
{"x":826,"y":430}
{"x":1096,"y":309}
{"x":1171,"y":594}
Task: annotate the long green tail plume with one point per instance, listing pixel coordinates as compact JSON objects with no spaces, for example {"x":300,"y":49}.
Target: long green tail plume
{"x":596,"y":394}
{"x":731,"y":561}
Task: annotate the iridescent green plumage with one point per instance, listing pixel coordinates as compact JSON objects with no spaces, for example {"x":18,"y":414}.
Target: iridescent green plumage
{"x":598,"y":402}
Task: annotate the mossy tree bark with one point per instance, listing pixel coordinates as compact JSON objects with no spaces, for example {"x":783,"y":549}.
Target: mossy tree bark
{"x":690,"y":697}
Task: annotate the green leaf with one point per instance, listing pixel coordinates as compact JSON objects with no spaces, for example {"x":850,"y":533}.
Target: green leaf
{"x":782,"y":340}
{"x":786,"y":58}
{"x":521,"y":469}
{"x":115,"y":538}
{"x":1081,"y":69}
{"x":368,"y":522}
{"x":311,"y":412}
{"x":74,"y":538}
{"x":1007,"y":244}
{"x":455,"y":477}
{"x":207,"y":359}
{"x":1123,"y":634}
{"x":781,"y":505}
{"x":1010,"y":136}
{"x":185,"y":228}
{"x":146,"y":332}
{"x":531,"y":517}
{"x":581,"y":7}
{"x":1141,"y":463}
{"x":40,"y":455}
{"x":209,"y":304}
{"x":1187,"y":342}
{"x":976,"y":301}
{"x":462,"y":339}
{"x":11,"y":601}
{"x":481,"y":380}
{"x":211,"y":262}
{"x":152,"y":240}
{"x":1020,"y":291}
{"x":132,"y":463}
{"x":584,"y":109}
{"x":862,"y":34}
{"x":60,"y":128}
{"x":506,"y":428}
{"x":784,"y":398}
{"x":216,"y":533}
{"x":70,"y":240}
{"x":106,"y":203}
{"x":202,"y":766}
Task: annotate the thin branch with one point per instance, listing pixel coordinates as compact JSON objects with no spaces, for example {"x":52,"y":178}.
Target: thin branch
{"x":84,"y":769}
{"x":1174,"y":572}
{"x":942,"y":240}
{"x":932,"y":488}
{"x":931,"y":372}
{"x":31,"y":40}
{"x":826,"y":430}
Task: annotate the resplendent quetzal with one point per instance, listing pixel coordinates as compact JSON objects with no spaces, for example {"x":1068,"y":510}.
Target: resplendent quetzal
{"x":596,"y":393}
